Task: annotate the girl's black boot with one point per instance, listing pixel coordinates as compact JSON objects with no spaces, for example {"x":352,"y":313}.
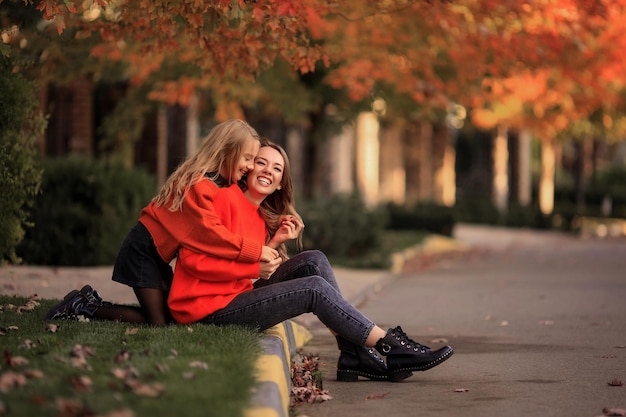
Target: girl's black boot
{"x":355,"y":361}
{"x":406,"y":355}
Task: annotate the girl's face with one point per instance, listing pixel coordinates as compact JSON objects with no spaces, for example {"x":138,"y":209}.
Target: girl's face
{"x":245,"y":163}
{"x":267,"y":174}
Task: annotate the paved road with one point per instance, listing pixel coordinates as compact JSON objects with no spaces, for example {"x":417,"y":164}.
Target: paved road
{"x":538,"y":324}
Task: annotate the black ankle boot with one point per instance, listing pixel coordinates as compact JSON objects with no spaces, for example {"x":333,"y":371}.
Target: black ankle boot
{"x":75,"y":304}
{"x":355,"y":361}
{"x":404,"y":354}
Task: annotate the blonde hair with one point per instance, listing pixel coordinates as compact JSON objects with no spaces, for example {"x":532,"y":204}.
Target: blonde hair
{"x":221,"y":149}
{"x":280,"y":202}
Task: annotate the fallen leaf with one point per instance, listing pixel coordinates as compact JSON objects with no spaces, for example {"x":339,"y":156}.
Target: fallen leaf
{"x":71,"y":407}
{"x":199,"y":364}
{"x":614,"y":412}
{"x":34,"y":374}
{"x":120,"y":413}
{"x":376,"y":396}
{"x":145,"y":390}
{"x":27,"y":344}
{"x":615,"y":383}
{"x":163,"y":368}
{"x":439,"y":340}
{"x":13,"y":328}
{"x":81,"y":383}
{"x":10,"y":380}
{"x":134,"y":330}
{"x":188,"y":375}
{"x":123,"y":356}
{"x":14,"y":360}
{"x":545,"y":322}
{"x":504,"y":323}
{"x":128,"y":373}
{"x":52,"y":328}
{"x":461,"y":390}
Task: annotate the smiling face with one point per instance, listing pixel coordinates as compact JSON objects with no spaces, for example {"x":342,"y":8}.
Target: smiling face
{"x":267,"y":174}
{"x":245,"y":163}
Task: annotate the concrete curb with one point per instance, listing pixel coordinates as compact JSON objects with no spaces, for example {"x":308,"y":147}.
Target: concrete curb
{"x":272,"y":395}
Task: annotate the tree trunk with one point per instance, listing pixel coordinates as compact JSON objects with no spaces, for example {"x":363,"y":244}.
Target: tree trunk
{"x":425,"y":190}
{"x":500,"y":170}
{"x":367,"y":157}
{"x":444,"y":155}
{"x":524,"y":168}
{"x":294,"y":146}
{"x":193,"y":126}
{"x":339,"y":151}
{"x":546,"y":182}
{"x":161,"y":164}
{"x":412,"y":163}
{"x":392,"y":171}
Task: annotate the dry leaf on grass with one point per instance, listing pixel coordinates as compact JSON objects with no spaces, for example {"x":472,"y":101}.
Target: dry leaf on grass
{"x":123,"y":356}
{"x":27,"y":344}
{"x":133,"y":330}
{"x":10,"y":380}
{"x":145,"y":390}
{"x":68,"y":407}
{"x":81,"y":383}
{"x":52,"y":328}
{"x":376,"y":396}
{"x":14,"y":361}
{"x":120,"y":413}
{"x":199,"y":364}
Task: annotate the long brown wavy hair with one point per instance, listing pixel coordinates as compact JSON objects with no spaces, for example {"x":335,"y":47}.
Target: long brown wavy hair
{"x":221,"y":148}
{"x":280,"y":202}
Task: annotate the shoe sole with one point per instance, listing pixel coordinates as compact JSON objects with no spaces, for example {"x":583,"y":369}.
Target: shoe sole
{"x":396,"y":375}
{"x":353,"y":376}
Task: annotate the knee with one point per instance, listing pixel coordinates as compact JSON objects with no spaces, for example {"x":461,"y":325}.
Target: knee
{"x":317,"y":257}
{"x":317,"y":283}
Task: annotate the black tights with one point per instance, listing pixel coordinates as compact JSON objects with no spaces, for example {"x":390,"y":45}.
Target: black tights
{"x":153,"y":310}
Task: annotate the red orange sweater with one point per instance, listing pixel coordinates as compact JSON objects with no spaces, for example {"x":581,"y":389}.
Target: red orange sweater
{"x":198,"y":227}
{"x":203,"y":283}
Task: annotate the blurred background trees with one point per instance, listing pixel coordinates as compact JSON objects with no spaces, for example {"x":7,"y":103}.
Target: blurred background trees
{"x":505,"y":113}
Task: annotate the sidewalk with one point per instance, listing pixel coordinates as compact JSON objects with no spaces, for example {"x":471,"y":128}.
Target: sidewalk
{"x":280,"y":343}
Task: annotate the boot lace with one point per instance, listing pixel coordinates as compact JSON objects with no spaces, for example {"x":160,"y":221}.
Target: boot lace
{"x":409,"y":343}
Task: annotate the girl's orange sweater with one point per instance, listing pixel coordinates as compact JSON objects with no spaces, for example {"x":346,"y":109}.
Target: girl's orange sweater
{"x":203,"y":283}
{"x":197,"y":226}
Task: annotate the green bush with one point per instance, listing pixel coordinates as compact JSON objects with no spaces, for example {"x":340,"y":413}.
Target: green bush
{"x":424,"y":216}
{"x":476,"y":210}
{"x":342,"y":226}
{"x":20,"y":124}
{"x":84,"y":211}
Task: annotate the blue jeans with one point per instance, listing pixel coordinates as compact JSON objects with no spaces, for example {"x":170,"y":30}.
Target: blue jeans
{"x":303,"y":284}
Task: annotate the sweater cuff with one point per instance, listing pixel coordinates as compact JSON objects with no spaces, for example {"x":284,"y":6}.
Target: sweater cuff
{"x":250,"y":251}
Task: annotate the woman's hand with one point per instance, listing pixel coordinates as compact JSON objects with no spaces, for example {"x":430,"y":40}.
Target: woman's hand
{"x":268,"y":254}
{"x":290,"y":228}
{"x":268,"y":268}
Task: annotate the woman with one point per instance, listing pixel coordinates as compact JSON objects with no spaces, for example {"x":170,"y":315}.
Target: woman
{"x":180,"y":215}
{"x":212,"y":290}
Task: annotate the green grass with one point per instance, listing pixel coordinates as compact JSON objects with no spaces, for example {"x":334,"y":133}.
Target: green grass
{"x":196,"y":370}
{"x":392,"y":241}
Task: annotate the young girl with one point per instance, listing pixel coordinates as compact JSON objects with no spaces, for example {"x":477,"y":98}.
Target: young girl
{"x":219,"y":291}
{"x":181,"y":214}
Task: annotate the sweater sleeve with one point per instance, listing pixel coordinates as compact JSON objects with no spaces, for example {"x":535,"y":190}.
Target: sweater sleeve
{"x":209,"y":268}
{"x":210,"y":236}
